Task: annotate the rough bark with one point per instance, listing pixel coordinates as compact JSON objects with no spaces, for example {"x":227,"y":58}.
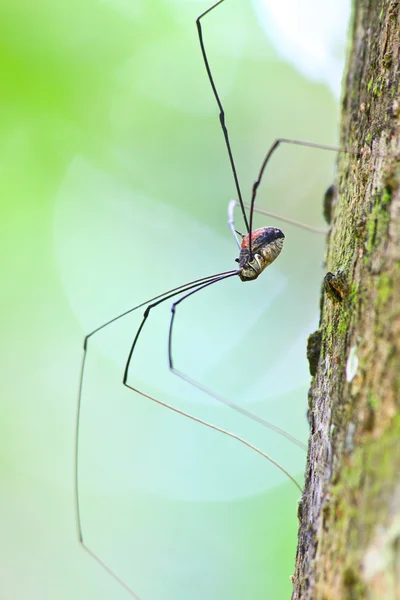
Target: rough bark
{"x":349,"y":537}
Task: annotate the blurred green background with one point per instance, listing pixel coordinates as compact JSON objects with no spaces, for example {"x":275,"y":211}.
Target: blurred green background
{"x":114,"y":188}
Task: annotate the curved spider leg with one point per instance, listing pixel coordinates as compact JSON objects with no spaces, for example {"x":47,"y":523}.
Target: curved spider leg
{"x":249,"y":222}
{"x":209,"y":392}
{"x":155,"y":300}
{"x":109,"y":571}
{"x":256,"y":184}
{"x":270,"y":152}
{"x":197,"y":287}
{"x":221,"y":113}
{"x":165,"y":296}
{"x":231,"y":220}
{"x":231,"y":225}
{"x":183,"y":413}
{"x":220,"y":430}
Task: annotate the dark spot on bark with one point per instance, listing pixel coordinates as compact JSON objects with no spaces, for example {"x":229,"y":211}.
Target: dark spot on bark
{"x":314,"y":350}
{"x":329,"y":203}
{"x":336,"y":286}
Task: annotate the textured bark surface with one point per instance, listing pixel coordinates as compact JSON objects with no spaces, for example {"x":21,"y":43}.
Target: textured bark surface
{"x":349,"y":538}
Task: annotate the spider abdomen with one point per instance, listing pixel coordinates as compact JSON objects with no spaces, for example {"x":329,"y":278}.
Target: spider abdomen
{"x":266,"y":245}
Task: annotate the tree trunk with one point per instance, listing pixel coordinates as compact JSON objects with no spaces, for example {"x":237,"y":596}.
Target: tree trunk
{"x":349,"y":538}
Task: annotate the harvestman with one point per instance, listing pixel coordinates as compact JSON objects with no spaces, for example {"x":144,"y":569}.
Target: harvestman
{"x":258,"y":248}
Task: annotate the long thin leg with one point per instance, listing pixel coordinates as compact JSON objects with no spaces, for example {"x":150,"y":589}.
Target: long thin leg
{"x":224,"y":431}
{"x":156,"y":300}
{"x":209,"y":392}
{"x":221,"y":112}
{"x":231,"y":221}
{"x":275,"y":145}
{"x":270,"y":152}
{"x":274,"y":215}
{"x":201,"y":422}
{"x":196,"y":287}
{"x":181,"y":288}
{"x":268,"y":213}
{"x":159,"y":298}
{"x":109,"y":571}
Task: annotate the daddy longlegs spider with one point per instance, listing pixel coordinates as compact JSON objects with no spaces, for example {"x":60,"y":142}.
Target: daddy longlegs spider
{"x":258,"y":247}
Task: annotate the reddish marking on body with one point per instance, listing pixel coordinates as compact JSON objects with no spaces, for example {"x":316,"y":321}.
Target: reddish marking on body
{"x":254,"y":235}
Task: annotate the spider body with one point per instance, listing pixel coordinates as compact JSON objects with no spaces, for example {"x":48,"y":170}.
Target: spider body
{"x":266,"y":245}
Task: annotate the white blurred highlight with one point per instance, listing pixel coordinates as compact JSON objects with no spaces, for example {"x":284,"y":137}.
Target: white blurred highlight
{"x":310,"y":34}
